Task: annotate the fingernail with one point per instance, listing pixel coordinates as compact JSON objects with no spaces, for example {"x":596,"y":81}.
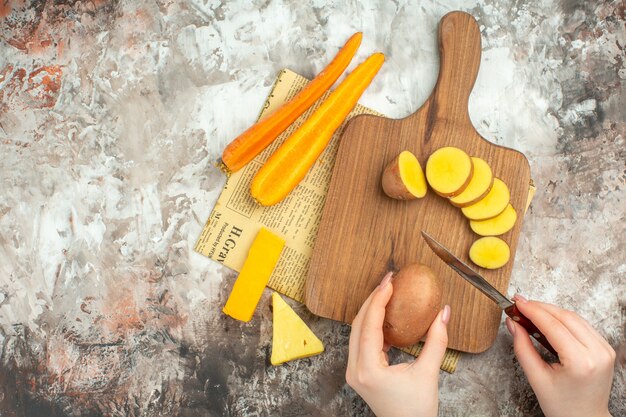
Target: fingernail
{"x":520,"y":298}
{"x":510,"y":326}
{"x":445,"y":316}
{"x":386,"y":280}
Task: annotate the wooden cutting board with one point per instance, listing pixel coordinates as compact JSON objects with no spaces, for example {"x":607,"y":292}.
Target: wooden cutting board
{"x":363,"y":233}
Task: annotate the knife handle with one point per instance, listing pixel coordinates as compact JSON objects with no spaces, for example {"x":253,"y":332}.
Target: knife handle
{"x":532,"y":330}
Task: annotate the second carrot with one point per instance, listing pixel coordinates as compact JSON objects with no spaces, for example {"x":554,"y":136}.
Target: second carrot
{"x":284,"y":170}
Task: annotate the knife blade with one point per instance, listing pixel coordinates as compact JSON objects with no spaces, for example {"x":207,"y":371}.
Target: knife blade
{"x":489,"y":290}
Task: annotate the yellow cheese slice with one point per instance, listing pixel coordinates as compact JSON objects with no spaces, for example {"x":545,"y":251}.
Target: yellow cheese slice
{"x":292,"y":339}
{"x":254,"y":275}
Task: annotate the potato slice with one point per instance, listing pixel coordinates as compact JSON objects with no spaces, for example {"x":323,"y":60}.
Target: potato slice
{"x":479,"y":185}
{"x":403,"y":178}
{"x":490,"y":205}
{"x":495,"y":226}
{"x":448,"y":171}
{"x":490,"y":252}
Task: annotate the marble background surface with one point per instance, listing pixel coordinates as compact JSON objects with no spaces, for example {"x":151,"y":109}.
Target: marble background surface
{"x":111,"y":115}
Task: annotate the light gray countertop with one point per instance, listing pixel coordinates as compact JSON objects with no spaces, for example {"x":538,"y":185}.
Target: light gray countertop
{"x":112,"y":114}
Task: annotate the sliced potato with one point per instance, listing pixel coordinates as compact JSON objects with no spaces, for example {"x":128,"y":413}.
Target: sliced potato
{"x":495,"y":226}
{"x":490,"y":252}
{"x":403,"y":178}
{"x":448,"y":171}
{"x":479,"y":185}
{"x":491,"y":205}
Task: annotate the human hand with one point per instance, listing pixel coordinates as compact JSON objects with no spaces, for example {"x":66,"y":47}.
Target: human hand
{"x":580,"y":384}
{"x":406,"y":389}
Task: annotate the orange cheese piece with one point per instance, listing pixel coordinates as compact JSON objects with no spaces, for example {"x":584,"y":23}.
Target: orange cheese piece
{"x":254,"y":275}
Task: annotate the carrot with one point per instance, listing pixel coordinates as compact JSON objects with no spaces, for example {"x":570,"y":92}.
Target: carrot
{"x":256,"y":138}
{"x":284,"y":170}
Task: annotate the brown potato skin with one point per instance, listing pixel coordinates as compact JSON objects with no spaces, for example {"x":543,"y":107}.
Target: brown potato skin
{"x":392,"y":182}
{"x":415,"y":302}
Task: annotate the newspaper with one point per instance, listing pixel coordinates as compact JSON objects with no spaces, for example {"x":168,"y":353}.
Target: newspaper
{"x":237,"y":218}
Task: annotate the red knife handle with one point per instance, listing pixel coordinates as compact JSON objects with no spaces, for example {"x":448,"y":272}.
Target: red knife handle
{"x":532,"y":330}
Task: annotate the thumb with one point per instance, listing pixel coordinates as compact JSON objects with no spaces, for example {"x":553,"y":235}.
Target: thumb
{"x":436,"y":342}
{"x":533,"y":365}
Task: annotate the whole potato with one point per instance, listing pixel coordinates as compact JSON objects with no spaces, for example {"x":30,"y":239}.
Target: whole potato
{"x":413,"y":306}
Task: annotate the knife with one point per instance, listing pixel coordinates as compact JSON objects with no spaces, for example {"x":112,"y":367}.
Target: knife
{"x":486,"y":288}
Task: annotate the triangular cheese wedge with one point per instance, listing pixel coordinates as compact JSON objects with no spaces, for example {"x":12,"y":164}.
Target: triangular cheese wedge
{"x":292,"y":338}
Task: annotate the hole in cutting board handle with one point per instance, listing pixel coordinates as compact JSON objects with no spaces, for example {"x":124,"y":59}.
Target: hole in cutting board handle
{"x":459,"y":52}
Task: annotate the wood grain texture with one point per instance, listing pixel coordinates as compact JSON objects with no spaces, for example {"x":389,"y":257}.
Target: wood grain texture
{"x":363,"y":233}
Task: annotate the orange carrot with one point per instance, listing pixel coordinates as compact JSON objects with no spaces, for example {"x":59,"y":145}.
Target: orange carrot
{"x":251,"y":142}
{"x":284,"y":170}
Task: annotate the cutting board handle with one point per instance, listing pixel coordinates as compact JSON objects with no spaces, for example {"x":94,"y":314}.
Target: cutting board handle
{"x":459,"y":51}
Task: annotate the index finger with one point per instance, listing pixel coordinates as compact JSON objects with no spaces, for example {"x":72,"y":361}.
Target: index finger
{"x":578,"y":326}
{"x":553,"y":329}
